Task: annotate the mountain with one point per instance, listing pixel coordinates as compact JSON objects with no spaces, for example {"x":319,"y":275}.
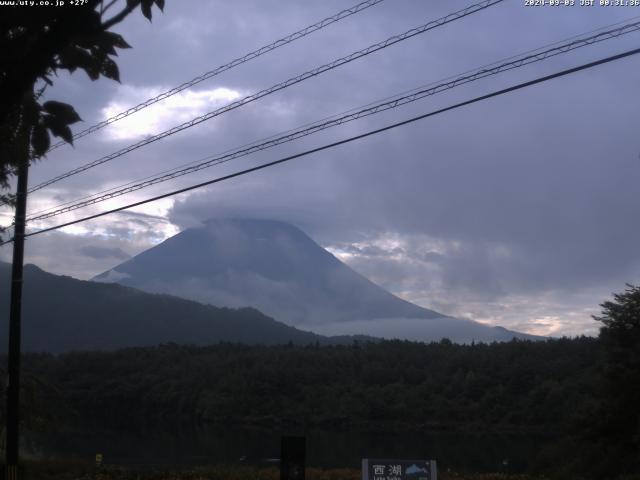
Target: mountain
{"x":276,"y":268}
{"x":61,"y":313}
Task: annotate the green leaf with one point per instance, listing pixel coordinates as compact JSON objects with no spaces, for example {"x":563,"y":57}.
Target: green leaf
{"x":160,"y":4}
{"x":106,"y":45}
{"x":86,"y":22}
{"x":146,"y":8}
{"x":75,"y":57}
{"x":62,"y":111}
{"x":110,"y":69}
{"x":58,"y":128}
{"x":40,"y":141}
{"x":67,"y":59}
{"x":116,"y":40}
{"x":66,"y":134}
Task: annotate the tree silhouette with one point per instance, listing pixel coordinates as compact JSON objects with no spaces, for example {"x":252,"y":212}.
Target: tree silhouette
{"x":37,"y":42}
{"x":619,"y":423}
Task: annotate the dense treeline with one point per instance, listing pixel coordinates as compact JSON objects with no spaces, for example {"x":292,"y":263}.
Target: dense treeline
{"x":585,"y":392}
{"x":519,"y":385}
{"x":558,"y":387}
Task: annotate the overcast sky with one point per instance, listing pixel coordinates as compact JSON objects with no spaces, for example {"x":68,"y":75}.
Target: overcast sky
{"x":520,"y":211}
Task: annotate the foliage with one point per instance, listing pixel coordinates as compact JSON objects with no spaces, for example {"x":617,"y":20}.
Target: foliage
{"x":515,"y":386}
{"x":521,"y":387}
{"x":582,"y":391}
{"x":617,"y":420}
{"x":35,"y":44}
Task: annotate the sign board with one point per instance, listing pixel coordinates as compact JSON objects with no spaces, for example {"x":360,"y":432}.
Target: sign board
{"x":385,"y":469}
{"x":98,"y":459}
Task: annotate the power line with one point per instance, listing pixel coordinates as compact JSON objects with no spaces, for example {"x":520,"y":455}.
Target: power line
{"x":193,"y":162}
{"x":255,"y":142}
{"x":279,"y":86}
{"x":228,"y":66}
{"x":375,"y":108}
{"x":346,"y":140}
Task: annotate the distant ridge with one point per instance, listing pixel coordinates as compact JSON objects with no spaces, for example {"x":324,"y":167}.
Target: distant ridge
{"x":276,"y":268}
{"x":64,"y":314}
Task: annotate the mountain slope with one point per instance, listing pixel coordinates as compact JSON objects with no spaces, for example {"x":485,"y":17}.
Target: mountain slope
{"x":276,"y":268}
{"x":272,"y":266}
{"x":62,"y":314}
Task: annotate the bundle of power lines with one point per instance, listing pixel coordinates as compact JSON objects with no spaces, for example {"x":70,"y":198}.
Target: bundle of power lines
{"x":396,"y":101}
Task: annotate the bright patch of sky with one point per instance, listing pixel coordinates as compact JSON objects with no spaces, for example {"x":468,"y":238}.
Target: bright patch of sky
{"x":418,"y":270}
{"x":161,"y":116}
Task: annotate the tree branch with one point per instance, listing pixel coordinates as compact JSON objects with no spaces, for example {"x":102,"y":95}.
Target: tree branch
{"x":119,"y":17}
{"x":108,"y":6}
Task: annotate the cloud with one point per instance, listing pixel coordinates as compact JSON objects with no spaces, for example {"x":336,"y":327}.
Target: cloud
{"x":487,"y":283}
{"x":159,"y":117}
{"x":87,"y":249}
{"x":519,"y":210}
{"x":98,"y":252}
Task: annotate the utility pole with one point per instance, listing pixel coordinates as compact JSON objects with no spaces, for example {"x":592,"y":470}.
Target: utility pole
{"x":13,"y":388}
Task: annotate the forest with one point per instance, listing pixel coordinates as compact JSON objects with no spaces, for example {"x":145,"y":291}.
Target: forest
{"x":581,"y":393}
{"x":519,"y":385}
{"x":553,"y":388}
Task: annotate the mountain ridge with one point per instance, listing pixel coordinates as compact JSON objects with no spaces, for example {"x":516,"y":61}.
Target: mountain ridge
{"x":61,"y":313}
{"x":278,"y":269}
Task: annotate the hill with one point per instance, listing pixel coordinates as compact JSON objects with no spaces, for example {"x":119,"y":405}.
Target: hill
{"x":62,"y":314}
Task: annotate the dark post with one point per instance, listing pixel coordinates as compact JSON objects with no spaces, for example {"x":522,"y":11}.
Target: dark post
{"x":293,"y":458}
{"x":13,"y":387}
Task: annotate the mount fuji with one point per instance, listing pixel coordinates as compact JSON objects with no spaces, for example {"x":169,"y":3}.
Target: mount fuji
{"x":276,"y":268}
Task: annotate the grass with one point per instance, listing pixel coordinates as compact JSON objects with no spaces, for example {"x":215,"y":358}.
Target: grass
{"x":52,"y":470}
